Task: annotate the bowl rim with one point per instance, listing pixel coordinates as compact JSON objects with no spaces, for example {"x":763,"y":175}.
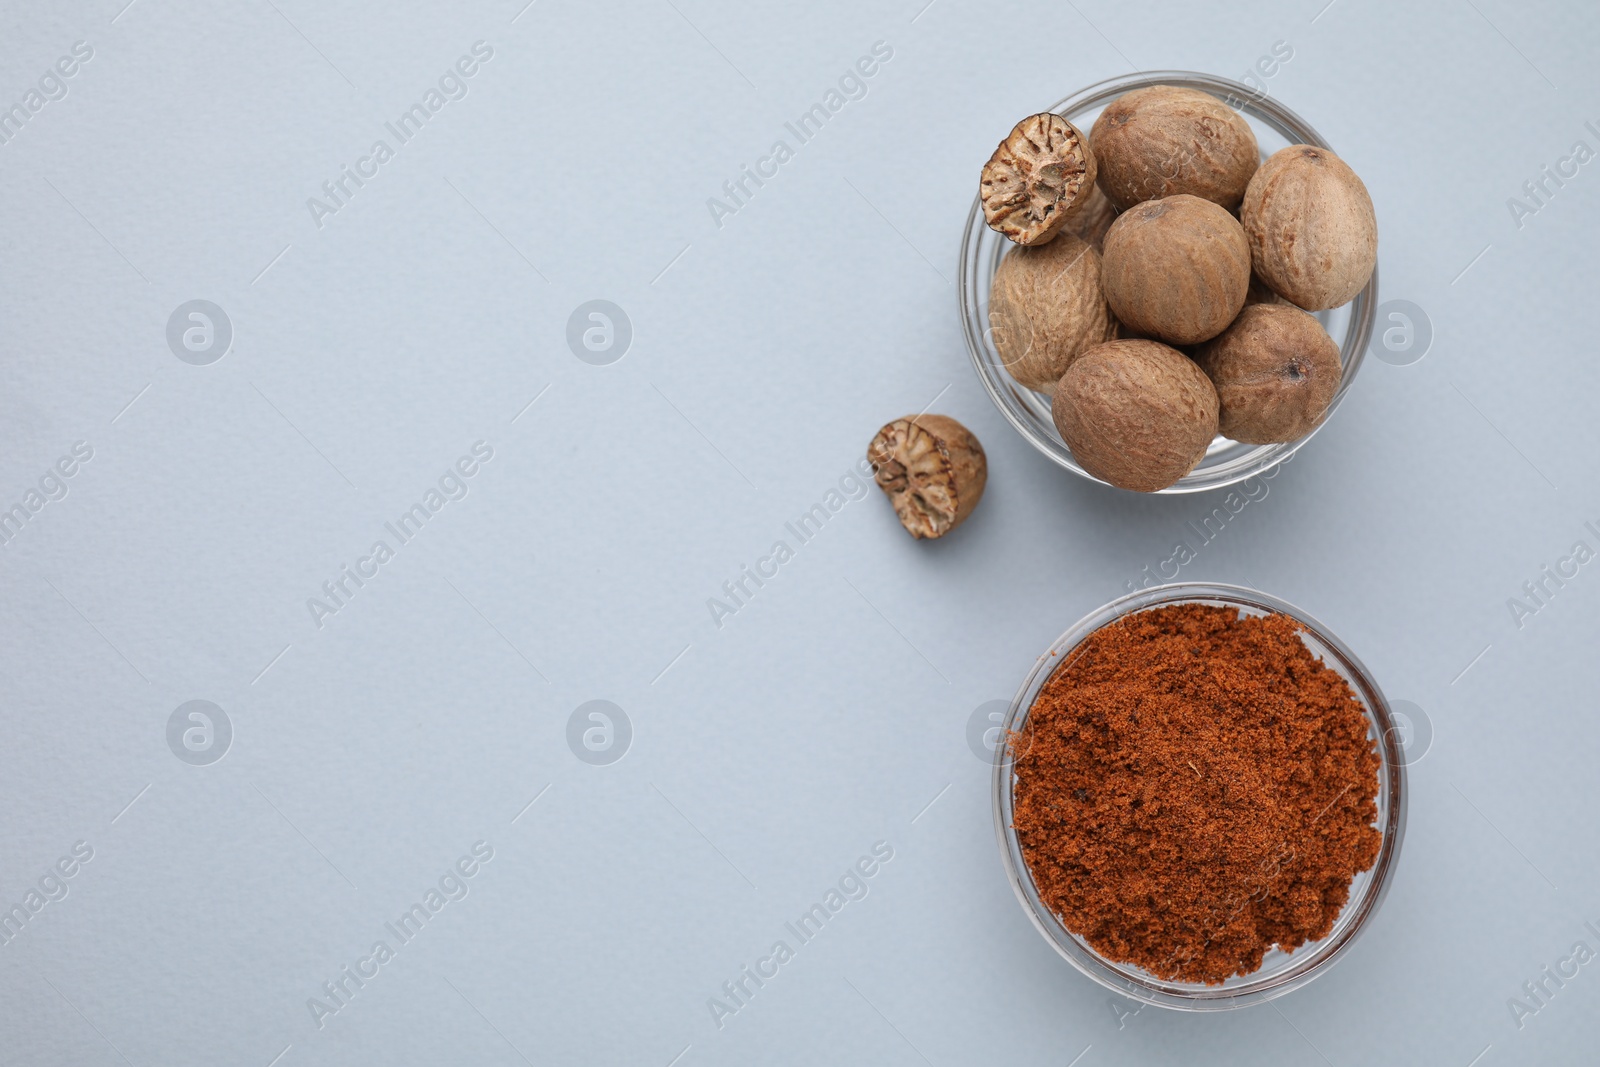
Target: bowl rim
{"x":1128,"y":979}
{"x":1352,"y":350}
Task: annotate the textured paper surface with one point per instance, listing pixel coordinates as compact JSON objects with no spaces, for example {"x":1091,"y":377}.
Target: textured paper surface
{"x":629,"y":468}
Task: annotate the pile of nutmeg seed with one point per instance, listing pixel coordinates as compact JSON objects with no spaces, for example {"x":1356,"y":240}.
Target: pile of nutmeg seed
{"x":1161,"y":288}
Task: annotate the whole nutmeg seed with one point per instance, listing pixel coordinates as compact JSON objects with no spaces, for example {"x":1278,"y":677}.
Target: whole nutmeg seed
{"x":1163,"y":140}
{"x":1136,"y":413}
{"x":1046,"y":307}
{"x":1275,"y":370}
{"x":1177,"y":269}
{"x":1313,"y":234}
{"x":933,"y":471}
{"x":1037,"y":177}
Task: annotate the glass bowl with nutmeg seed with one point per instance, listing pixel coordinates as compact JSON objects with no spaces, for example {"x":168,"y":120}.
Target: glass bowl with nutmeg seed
{"x":1225,"y":461}
{"x":1287,"y":833}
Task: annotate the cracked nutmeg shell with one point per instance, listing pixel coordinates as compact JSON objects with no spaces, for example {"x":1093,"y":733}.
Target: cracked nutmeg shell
{"x":1046,"y":308}
{"x":1038,"y":176}
{"x":1275,"y":370}
{"x":1313,"y":233}
{"x":1135,"y":413}
{"x":1163,"y":140}
{"x":933,"y":471}
{"x":1176,"y":269}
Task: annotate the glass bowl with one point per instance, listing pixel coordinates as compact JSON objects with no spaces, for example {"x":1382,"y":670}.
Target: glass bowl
{"x":1280,"y":971}
{"x":1225,"y":462}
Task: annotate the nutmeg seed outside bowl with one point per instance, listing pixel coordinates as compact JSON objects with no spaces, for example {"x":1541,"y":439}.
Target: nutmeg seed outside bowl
{"x":1226,"y":462}
{"x":1280,"y":971}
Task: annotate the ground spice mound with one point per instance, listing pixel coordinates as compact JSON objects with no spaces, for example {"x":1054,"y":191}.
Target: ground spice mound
{"x":1195,"y":787}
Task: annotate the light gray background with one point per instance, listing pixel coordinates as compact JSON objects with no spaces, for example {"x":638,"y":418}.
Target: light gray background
{"x":831,"y":712}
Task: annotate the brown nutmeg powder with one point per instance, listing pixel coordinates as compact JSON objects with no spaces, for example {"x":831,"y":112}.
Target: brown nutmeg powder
{"x":1195,"y":787}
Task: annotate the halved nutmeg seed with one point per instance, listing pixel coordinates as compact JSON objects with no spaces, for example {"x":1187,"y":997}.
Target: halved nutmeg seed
{"x":933,"y":471}
{"x":1038,"y":177}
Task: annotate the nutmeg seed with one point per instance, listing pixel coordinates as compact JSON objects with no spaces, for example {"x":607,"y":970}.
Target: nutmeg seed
{"x":1046,"y":307}
{"x":933,"y":471}
{"x":1163,"y":140}
{"x":1177,"y":269}
{"x":1313,"y":233}
{"x":1036,"y":178}
{"x":1276,"y":370}
{"x":1135,"y":413}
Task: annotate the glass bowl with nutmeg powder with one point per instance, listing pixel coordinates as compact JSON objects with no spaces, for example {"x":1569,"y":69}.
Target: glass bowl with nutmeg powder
{"x":1202,"y":798}
{"x":1226,"y":462}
